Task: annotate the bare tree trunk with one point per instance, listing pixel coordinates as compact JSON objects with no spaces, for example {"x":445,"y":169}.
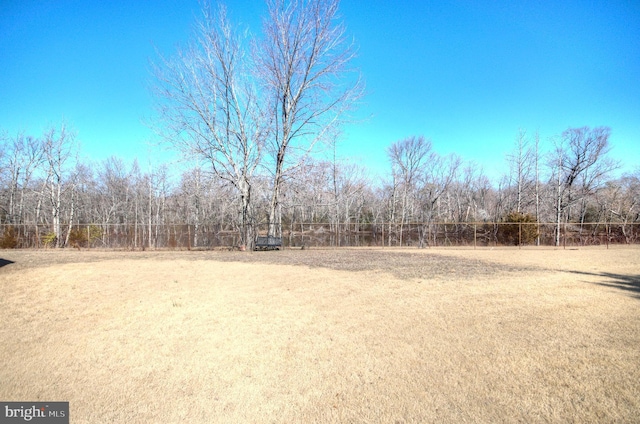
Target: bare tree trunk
{"x":334,"y":177}
{"x":558,"y":206}
{"x":392,"y":215}
{"x":135,"y":226}
{"x":150,"y":241}
{"x":537,"y":141}
{"x":403,"y":215}
{"x":66,"y":240}
{"x":196,"y":222}
{"x":275,"y":217}
{"x":246,"y":225}
{"x":55,"y":211}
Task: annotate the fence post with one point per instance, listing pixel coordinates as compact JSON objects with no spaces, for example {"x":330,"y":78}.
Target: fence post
{"x":475,"y":234}
{"x":520,"y":235}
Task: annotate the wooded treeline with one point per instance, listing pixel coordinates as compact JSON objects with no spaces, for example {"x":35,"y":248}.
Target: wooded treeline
{"x":249,"y":112}
{"x":50,"y":196}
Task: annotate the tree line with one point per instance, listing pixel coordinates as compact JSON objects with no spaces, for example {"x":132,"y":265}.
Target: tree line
{"x":249,"y":112}
{"x":46,"y":187}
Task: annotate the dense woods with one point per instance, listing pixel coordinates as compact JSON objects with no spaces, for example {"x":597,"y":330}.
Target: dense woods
{"x":50,"y":196}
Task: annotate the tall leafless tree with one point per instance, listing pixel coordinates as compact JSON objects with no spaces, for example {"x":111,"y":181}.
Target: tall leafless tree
{"x":537,"y":183}
{"x":209,"y":109}
{"x":439,"y":175}
{"x":626,"y":207}
{"x":408,"y":159}
{"x":193,"y":192}
{"x":303,"y":62}
{"x":581,"y":165}
{"x":522,"y":162}
{"x":59,"y":146}
{"x":23,"y":155}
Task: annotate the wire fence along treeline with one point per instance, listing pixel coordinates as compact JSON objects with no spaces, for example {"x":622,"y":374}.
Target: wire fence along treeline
{"x":426,"y":234}
{"x":431,"y":202}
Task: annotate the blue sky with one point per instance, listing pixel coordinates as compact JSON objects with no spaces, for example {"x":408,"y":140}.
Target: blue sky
{"x":467,"y":74}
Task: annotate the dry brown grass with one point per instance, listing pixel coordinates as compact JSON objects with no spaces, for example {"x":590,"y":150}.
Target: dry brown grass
{"x":448,"y":335}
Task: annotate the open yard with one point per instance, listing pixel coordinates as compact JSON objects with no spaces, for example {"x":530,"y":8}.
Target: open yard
{"x":302,"y":336}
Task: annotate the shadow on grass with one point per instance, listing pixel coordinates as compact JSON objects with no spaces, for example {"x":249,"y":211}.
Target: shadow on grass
{"x":4,"y":262}
{"x":627,"y":283}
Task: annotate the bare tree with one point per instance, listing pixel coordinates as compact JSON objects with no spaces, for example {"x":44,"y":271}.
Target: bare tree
{"x":348,"y":184}
{"x":59,"y":145}
{"x":71,"y":184}
{"x":159,"y":189}
{"x":580,"y":166}
{"x":626,"y":208}
{"x":439,"y":175}
{"x":408,"y":158}
{"x":521,"y":163}
{"x":192,"y":192}
{"x":86,"y":193}
{"x":116,"y":186}
{"x":23,"y":156}
{"x":303,"y":62}
{"x":209,"y":108}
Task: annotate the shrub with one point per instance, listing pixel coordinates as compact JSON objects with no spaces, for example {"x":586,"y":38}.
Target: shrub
{"x":9,"y":239}
{"x":49,"y":239}
{"x":81,"y":236}
{"x":517,"y":227}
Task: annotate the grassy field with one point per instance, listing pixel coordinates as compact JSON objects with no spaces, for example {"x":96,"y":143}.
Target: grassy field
{"x":354,"y":335}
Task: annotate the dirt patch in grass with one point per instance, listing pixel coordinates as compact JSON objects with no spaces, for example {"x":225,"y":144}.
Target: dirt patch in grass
{"x":401,"y":264}
{"x":324,"y":336}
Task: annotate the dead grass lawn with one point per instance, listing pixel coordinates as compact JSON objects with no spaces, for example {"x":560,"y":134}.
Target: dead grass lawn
{"x":360,"y":335}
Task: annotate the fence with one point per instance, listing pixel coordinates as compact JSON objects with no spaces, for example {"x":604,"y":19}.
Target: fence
{"x":461,"y":234}
{"x":181,"y":236}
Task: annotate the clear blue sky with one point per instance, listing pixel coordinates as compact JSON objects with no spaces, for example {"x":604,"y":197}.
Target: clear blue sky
{"x":467,"y":74}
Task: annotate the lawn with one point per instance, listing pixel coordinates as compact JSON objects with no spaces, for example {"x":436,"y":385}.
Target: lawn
{"x":345,"y":335}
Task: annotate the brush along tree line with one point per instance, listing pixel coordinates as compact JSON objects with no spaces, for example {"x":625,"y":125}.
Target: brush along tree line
{"x":249,"y":112}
